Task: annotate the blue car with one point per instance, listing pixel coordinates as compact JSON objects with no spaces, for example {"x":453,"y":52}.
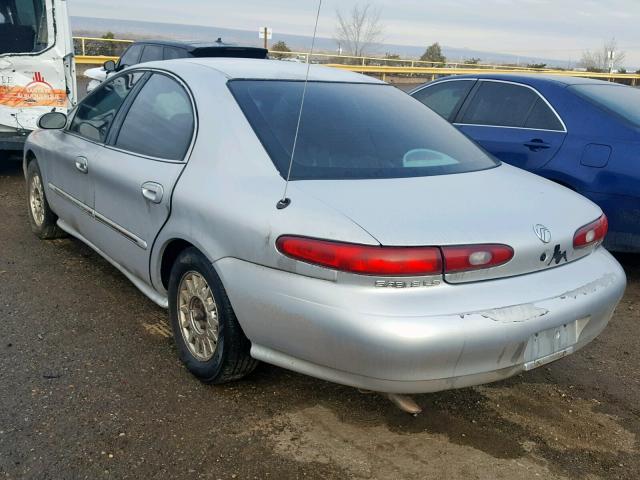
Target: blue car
{"x":581,"y":133}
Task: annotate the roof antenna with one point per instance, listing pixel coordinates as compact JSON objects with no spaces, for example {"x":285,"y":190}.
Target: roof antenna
{"x":285,"y":201}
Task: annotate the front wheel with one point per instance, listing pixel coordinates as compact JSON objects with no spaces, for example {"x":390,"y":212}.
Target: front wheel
{"x":41,"y":217}
{"x":208,"y":337}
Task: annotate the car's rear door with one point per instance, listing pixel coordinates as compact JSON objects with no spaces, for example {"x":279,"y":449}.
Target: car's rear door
{"x":513,"y":122}
{"x":146,"y":153}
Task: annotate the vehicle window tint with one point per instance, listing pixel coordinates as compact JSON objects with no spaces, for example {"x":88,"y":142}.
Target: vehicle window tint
{"x":542,"y":117}
{"x":131,"y":56}
{"x":23,"y":26}
{"x":171,"y":53}
{"x":160,"y":121}
{"x":152,"y":53}
{"x":353,"y":130}
{"x":500,"y":104}
{"x":617,"y":99}
{"x":445,"y":98}
{"x":95,"y":114}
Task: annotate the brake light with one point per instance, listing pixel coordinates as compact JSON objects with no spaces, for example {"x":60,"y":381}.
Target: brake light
{"x":475,"y":257}
{"x":363,"y":259}
{"x":591,"y":234}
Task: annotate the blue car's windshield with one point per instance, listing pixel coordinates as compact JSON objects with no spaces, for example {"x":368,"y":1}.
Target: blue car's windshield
{"x":624,"y":101}
{"x":351,"y":130}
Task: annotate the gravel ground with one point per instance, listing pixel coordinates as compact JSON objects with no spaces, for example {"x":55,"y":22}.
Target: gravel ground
{"x":90,"y":387}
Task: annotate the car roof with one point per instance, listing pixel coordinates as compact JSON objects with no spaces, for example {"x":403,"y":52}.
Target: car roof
{"x":194,"y":46}
{"x":533,"y":79}
{"x":245,"y":68}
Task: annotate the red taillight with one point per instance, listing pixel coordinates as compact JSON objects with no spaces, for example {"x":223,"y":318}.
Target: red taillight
{"x":475,"y":257}
{"x":591,"y":234}
{"x":363,"y":259}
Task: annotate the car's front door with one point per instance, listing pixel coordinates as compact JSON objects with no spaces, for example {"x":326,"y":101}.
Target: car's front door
{"x":79,"y":148}
{"x":134,"y":179}
{"x":513,"y":122}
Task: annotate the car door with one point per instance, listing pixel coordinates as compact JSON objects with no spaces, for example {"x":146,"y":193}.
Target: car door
{"x":75,"y":150}
{"x":134,"y":180}
{"x":513,"y":122}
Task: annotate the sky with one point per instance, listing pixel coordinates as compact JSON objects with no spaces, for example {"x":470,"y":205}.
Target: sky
{"x":555,"y":29}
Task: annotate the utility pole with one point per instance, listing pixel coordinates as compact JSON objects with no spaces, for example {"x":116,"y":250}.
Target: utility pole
{"x":266,"y":40}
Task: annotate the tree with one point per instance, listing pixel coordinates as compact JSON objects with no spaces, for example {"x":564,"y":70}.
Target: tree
{"x":391,"y":56}
{"x":359,"y":29}
{"x":537,"y":65}
{"x":601,"y":61}
{"x":472,"y":61}
{"x":434,"y":54}
{"x":280,"y":46}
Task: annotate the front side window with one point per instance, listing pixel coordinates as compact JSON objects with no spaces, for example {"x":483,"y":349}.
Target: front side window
{"x":160,"y":121}
{"x":617,"y":99}
{"x":445,"y":98}
{"x":23,"y":26}
{"x":131,"y":56}
{"x":152,"y":53}
{"x":500,"y":104}
{"x":96,"y":113}
{"x":351,"y":130}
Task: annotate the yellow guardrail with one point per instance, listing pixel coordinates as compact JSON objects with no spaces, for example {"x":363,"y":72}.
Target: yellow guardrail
{"x":86,"y":48}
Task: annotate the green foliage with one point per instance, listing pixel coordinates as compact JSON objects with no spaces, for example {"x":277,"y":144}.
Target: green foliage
{"x":391,"y":56}
{"x":280,"y":47}
{"x":434,"y":54}
{"x":472,"y":61}
{"x":537,"y":65}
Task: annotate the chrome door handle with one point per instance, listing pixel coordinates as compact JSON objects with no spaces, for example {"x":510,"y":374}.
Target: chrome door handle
{"x":153,"y":192}
{"x":82,"y":165}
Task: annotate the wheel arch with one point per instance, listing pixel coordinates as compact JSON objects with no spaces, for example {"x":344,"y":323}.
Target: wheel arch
{"x":172,"y":249}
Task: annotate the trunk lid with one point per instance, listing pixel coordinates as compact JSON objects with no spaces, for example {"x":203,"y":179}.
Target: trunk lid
{"x":504,"y":205}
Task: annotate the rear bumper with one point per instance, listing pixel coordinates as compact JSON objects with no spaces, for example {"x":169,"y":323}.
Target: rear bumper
{"x":422,"y":340}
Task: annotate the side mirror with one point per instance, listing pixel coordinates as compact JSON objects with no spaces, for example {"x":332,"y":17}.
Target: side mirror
{"x":52,"y":121}
{"x":109,"y":66}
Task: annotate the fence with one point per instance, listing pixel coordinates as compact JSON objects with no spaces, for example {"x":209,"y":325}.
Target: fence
{"x":95,"y":51}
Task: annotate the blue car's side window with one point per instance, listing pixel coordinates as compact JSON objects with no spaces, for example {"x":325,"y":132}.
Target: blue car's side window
{"x":445,"y":98}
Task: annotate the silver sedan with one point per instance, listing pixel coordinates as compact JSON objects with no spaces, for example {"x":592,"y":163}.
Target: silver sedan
{"x":401,"y":259}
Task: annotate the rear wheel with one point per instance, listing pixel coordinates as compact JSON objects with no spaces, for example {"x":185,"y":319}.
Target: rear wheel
{"x":41,"y":217}
{"x":208,"y":337}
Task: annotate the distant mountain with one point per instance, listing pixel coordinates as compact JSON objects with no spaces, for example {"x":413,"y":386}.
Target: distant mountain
{"x":138,"y":30}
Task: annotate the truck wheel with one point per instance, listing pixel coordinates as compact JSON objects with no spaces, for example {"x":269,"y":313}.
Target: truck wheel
{"x":41,"y":217}
{"x":208,"y":337}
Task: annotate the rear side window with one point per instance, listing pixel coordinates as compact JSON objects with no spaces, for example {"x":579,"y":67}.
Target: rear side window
{"x":152,"y":53}
{"x":131,"y":56}
{"x":543,"y":118}
{"x":353,"y":130}
{"x":160,"y":121}
{"x":171,"y":53}
{"x":96,"y":113}
{"x":500,"y":104}
{"x":445,"y":98}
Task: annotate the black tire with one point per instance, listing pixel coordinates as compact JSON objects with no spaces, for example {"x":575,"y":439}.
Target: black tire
{"x":47,"y":228}
{"x":231,"y":359}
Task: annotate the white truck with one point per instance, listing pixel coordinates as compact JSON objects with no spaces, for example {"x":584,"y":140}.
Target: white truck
{"x":37,"y":67}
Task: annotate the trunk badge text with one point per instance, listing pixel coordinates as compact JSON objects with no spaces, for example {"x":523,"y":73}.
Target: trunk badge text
{"x":408,"y":284}
{"x":543,"y":233}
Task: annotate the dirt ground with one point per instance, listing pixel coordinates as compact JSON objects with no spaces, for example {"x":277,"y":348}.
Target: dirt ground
{"x":90,"y":387}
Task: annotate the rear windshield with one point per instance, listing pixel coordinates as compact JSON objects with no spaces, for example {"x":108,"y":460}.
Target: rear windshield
{"x":23,"y":26}
{"x":618,"y":99}
{"x":351,"y":130}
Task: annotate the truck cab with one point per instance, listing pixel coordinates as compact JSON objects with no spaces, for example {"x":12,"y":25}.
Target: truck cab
{"x":37,"y":68}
